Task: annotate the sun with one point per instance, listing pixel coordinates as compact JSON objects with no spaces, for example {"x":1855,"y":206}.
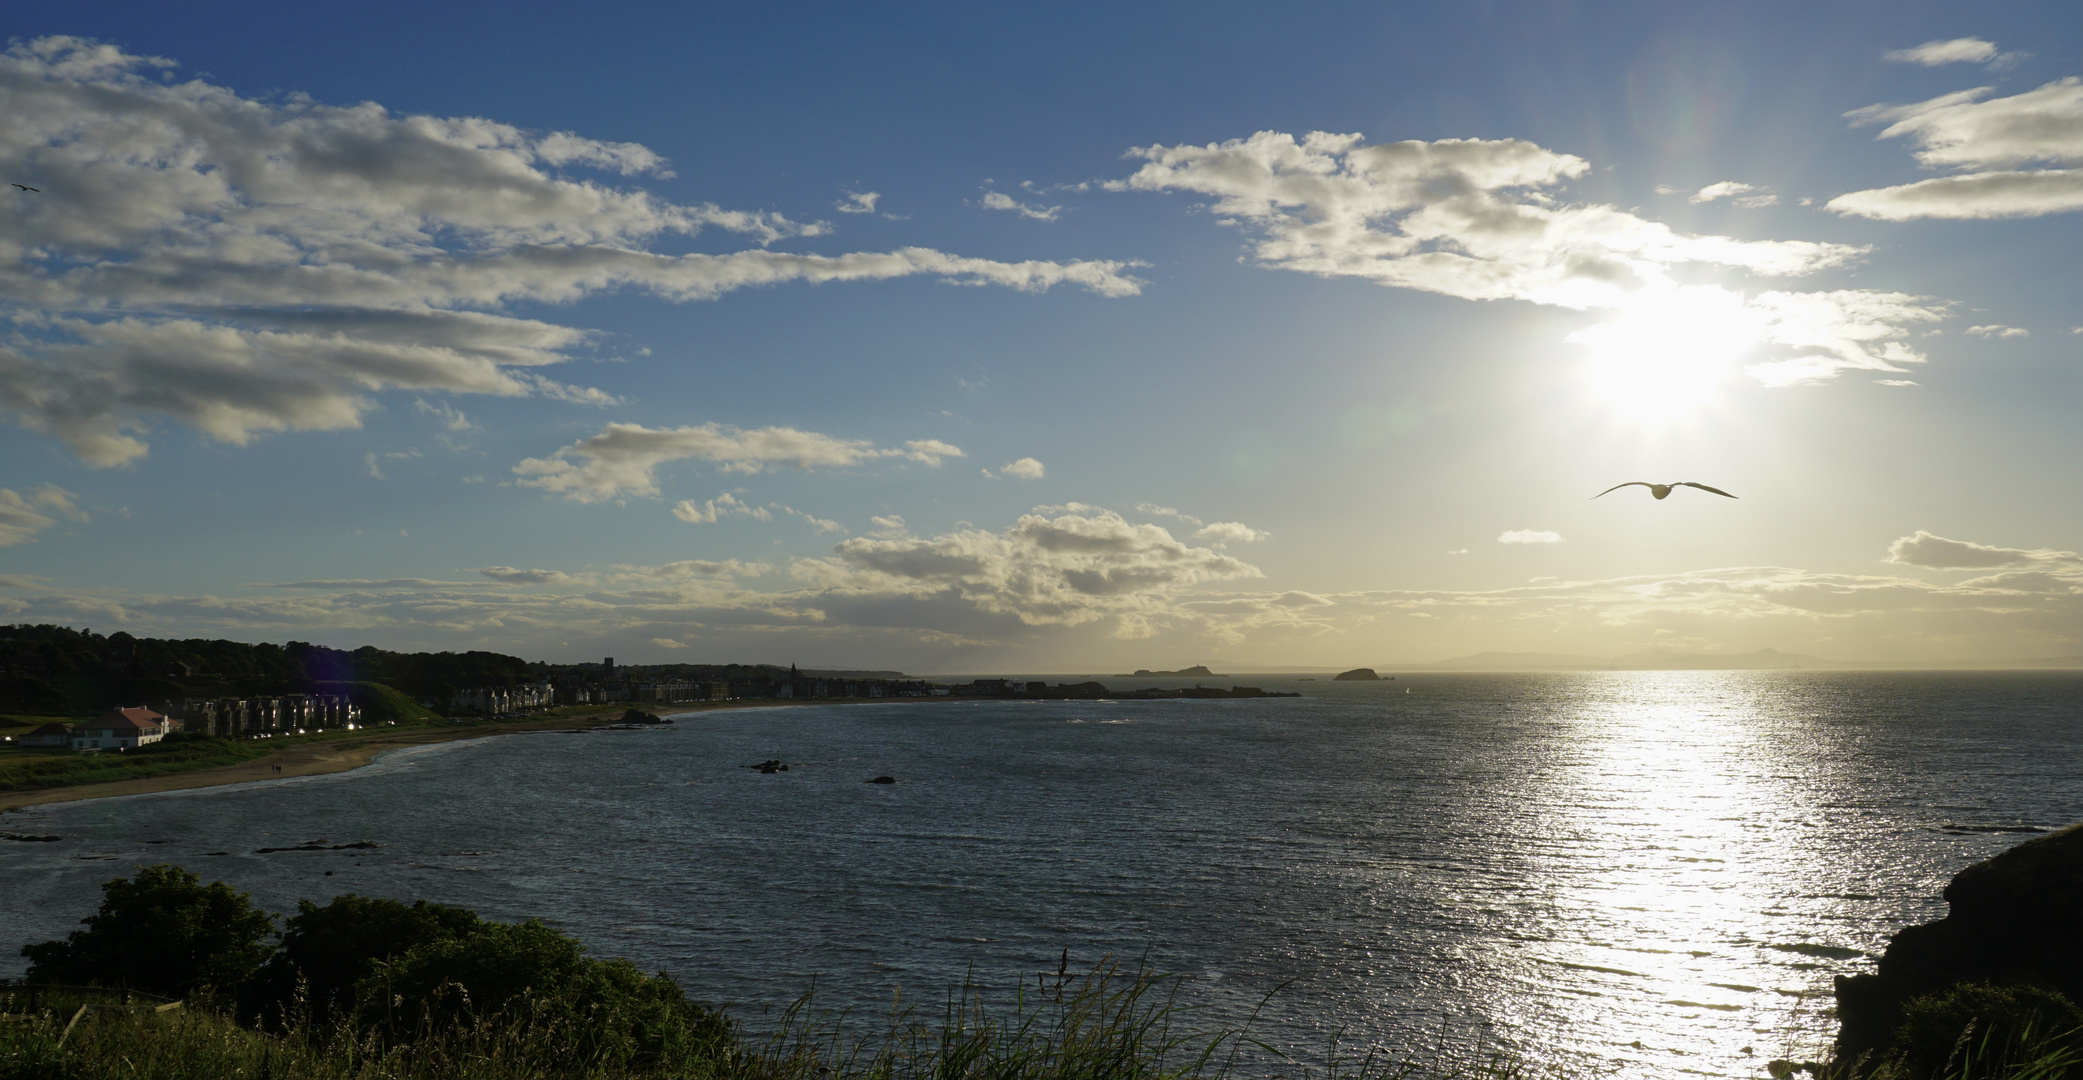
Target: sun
{"x":1667,"y":354}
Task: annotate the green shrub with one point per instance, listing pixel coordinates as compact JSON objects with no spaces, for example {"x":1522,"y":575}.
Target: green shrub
{"x":326,"y":949}
{"x":163,"y":932}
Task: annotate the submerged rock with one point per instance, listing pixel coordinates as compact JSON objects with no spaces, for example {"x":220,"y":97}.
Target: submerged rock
{"x":881,"y":780}
{"x":2014,"y":920}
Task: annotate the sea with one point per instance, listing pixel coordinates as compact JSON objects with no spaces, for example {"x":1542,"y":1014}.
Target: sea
{"x":1620,"y":873}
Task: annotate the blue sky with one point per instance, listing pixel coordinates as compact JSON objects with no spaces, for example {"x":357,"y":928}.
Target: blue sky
{"x":964,"y":339}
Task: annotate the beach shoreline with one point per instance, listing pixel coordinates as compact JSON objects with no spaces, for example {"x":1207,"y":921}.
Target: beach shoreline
{"x":352,"y":752}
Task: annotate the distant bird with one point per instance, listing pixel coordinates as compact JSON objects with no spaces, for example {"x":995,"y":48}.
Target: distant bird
{"x":26,"y":187}
{"x":1664,"y":490}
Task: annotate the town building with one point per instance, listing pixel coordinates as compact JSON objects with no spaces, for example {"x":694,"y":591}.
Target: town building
{"x":121,"y":729}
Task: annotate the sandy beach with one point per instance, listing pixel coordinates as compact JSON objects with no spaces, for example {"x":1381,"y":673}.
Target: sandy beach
{"x":312,"y":758}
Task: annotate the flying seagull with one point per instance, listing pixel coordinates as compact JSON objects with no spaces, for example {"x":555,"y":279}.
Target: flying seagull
{"x":1664,"y":490}
{"x":26,"y":187}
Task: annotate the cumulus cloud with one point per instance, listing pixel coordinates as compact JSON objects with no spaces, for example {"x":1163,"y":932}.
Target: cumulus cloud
{"x":1938,"y":553}
{"x":858,"y":202}
{"x":1987,"y":140}
{"x":623,"y":458}
{"x":815,"y":522}
{"x":1479,"y":219}
{"x":245,"y":266}
{"x":686,"y":568}
{"x":1529,"y":536}
{"x":1025,"y":468}
{"x":1965,"y":50}
{"x":1998,"y":330}
{"x":1071,"y":568}
{"x":1231,"y":532}
{"x":995,"y":200}
{"x":708,"y":511}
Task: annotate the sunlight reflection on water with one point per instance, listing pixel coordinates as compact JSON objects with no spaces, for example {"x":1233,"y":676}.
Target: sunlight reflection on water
{"x":1569,"y":864}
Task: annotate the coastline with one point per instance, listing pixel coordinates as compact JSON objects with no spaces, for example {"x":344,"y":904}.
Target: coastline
{"x":347,"y":754}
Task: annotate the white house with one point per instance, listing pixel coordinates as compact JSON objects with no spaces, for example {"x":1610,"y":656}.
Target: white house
{"x":120,"y":729}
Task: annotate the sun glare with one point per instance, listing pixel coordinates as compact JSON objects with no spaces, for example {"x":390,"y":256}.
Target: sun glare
{"x":1667,"y":355}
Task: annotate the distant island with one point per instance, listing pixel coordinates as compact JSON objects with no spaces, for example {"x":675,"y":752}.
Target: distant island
{"x":1197,"y":671}
{"x":1359,"y":674}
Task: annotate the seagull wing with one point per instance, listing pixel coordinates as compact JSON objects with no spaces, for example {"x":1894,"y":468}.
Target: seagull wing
{"x":1703,"y":487}
{"x":1630,"y":483}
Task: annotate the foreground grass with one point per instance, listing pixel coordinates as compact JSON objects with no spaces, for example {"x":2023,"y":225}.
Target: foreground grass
{"x":1105,"y":1025}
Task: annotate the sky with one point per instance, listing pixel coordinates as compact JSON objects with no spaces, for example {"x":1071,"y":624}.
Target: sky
{"x":1089,"y":336}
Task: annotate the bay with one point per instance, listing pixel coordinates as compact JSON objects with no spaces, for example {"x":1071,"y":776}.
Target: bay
{"x":1656,"y":872}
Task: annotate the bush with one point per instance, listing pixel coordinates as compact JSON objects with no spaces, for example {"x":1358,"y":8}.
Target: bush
{"x":163,"y":932}
{"x":327,"y":950}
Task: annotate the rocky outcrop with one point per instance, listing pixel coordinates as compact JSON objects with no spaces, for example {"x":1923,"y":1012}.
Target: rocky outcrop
{"x":1358,"y":674}
{"x":639,"y":716}
{"x":2014,"y":920}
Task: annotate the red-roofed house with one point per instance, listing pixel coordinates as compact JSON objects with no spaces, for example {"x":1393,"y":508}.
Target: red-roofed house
{"x":120,"y":729}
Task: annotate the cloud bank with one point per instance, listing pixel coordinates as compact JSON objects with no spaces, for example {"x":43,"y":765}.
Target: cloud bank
{"x":242,"y":266}
{"x":1076,"y":576}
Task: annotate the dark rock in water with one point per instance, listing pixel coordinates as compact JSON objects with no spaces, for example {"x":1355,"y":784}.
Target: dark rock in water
{"x":881,"y":780}
{"x":2015,"y":920}
{"x":29,"y":838}
{"x":316,"y":846}
{"x":1358,"y":674}
{"x":638,"y":716}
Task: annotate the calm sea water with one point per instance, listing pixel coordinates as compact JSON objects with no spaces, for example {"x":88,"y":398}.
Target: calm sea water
{"x":1655,"y":871}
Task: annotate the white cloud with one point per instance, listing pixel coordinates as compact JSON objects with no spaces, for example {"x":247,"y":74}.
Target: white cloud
{"x":19,"y":520}
{"x":722,"y":506}
{"x":1529,"y":536}
{"x":890,"y":528}
{"x":858,"y":202}
{"x":623,"y":458}
{"x":994,"y":200}
{"x":1738,"y":193}
{"x":686,"y":568}
{"x":668,"y":643}
{"x":818,"y":523}
{"x":1068,"y":569}
{"x":1724,"y":189}
{"x":1231,"y":532}
{"x":1956,"y":51}
{"x":452,"y":418}
{"x":512,"y":576}
{"x":1476,"y":219}
{"x":1166,"y":511}
{"x":243,"y":266}
{"x":1458,"y":551}
{"x":22,"y":517}
{"x":1466,"y":217}
{"x":1998,"y":330}
{"x":1025,"y":468}
{"x":1938,"y":553}
{"x":1962,"y":131}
